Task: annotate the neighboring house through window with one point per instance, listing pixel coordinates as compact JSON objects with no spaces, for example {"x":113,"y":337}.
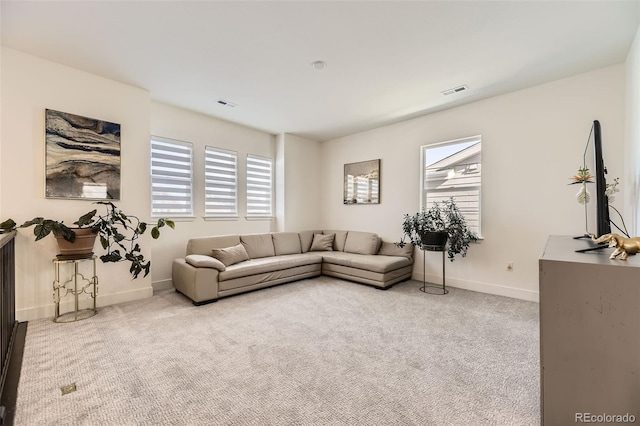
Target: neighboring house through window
{"x":454,"y":169}
{"x":171,"y":178}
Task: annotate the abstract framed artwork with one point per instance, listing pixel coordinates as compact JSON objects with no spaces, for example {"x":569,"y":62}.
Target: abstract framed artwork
{"x":362,"y":182}
{"x":82,"y":157}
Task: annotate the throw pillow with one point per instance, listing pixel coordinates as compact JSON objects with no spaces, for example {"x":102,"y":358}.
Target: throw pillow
{"x":339,"y":239}
{"x":230,"y":255}
{"x":322,"y":242}
{"x":306,"y":238}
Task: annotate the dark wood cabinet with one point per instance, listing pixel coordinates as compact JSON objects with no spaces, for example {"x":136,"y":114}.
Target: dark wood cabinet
{"x":8,"y":322}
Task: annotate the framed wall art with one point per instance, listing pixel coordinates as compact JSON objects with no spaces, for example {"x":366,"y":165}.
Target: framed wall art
{"x":82,"y":157}
{"x":362,"y":182}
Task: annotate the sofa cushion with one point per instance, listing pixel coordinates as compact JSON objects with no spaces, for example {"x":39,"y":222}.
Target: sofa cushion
{"x":371,"y":262}
{"x":202,"y":261}
{"x":361,"y":242}
{"x":322,"y":242}
{"x":306,"y":238}
{"x":258,"y":245}
{"x":267,"y":264}
{"x":390,"y":249}
{"x":230,"y":255}
{"x":286,"y":243}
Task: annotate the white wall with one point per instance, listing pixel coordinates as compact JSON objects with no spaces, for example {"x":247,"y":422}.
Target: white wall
{"x":532,"y":143}
{"x":299,"y":183}
{"x":632,"y":138}
{"x":201,"y":130}
{"x":30,"y":85}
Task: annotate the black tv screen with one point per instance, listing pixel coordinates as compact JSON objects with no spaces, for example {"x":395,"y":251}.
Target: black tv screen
{"x":597,"y":209}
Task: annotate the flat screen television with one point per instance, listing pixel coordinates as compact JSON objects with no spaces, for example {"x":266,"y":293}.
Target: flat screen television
{"x":596,"y":211}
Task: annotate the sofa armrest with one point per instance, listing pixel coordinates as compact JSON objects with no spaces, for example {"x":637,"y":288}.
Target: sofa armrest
{"x":199,"y":284}
{"x":202,"y":261}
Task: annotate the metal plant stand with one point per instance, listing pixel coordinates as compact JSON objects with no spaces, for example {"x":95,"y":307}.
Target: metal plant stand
{"x":432,"y":288}
{"x":90,"y":288}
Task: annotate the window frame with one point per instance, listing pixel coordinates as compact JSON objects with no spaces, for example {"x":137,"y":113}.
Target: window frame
{"x":423,"y":166}
{"x":175,"y":143}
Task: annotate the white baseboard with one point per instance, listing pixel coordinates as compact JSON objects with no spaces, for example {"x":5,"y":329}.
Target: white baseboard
{"x":162,"y":285}
{"x":67,"y":304}
{"x":516,"y":293}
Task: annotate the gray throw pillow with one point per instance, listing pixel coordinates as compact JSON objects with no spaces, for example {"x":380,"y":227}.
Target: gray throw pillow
{"x":230,"y":255}
{"x":322,"y":242}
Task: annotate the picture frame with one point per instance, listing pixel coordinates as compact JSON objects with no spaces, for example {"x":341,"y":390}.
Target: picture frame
{"x":82,"y":157}
{"x":362,"y":182}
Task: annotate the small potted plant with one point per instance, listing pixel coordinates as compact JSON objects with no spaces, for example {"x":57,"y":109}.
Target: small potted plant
{"x":441,"y":226}
{"x":117,"y":231}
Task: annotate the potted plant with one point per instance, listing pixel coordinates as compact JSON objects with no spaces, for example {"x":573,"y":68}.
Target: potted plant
{"x":118,"y":233}
{"x":442,"y":225}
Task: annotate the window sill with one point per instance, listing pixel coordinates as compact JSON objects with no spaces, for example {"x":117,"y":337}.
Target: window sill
{"x":265,"y":218}
{"x":174,"y":218}
{"x":220,"y":218}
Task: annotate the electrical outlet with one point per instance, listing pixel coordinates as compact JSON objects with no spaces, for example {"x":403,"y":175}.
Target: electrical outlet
{"x":510,"y":266}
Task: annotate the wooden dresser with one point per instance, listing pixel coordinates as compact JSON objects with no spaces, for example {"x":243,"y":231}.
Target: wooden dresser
{"x":589,"y":334}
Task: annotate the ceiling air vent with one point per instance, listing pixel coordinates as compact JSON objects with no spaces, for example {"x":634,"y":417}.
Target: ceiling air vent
{"x":456,"y":90}
{"x":227,"y":103}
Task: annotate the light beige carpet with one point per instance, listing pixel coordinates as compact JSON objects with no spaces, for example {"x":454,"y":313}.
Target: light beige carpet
{"x":315,"y":352}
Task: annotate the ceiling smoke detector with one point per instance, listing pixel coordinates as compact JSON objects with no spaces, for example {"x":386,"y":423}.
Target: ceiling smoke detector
{"x":318,"y":65}
{"x":227,"y":103}
{"x":456,"y":90}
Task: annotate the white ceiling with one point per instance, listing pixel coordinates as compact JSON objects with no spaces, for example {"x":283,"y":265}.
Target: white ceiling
{"x":386,"y":61}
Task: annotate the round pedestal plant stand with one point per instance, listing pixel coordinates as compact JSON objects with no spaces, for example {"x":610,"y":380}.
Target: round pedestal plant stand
{"x":436,"y":242}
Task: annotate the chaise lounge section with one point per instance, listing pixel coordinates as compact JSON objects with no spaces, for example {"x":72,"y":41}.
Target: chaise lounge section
{"x":220,"y":266}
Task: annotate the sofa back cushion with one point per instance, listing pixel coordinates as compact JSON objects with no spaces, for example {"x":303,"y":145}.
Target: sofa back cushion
{"x":286,"y":243}
{"x":339,"y":239}
{"x":230,"y":255}
{"x":390,"y":249}
{"x":306,"y":238}
{"x":361,"y":242}
{"x":203,"y":245}
{"x":258,"y":245}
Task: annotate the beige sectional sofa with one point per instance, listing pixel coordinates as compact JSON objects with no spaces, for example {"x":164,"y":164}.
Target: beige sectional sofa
{"x":219,"y":266}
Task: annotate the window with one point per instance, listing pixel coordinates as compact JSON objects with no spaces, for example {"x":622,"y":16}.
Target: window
{"x":171,"y":178}
{"x":259,"y":186}
{"x":220,"y":183}
{"x":453,"y":169}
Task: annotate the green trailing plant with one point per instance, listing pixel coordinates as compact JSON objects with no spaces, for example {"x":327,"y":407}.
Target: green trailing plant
{"x":441,"y":217}
{"x":117,"y":231}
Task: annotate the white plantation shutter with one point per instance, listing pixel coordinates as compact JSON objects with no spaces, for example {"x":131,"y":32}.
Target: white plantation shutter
{"x":171,"y":178}
{"x":221,"y":183}
{"x":259,"y":186}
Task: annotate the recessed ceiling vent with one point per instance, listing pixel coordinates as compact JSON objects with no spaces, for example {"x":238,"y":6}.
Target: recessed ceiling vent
{"x":456,"y":90}
{"x":227,"y":103}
